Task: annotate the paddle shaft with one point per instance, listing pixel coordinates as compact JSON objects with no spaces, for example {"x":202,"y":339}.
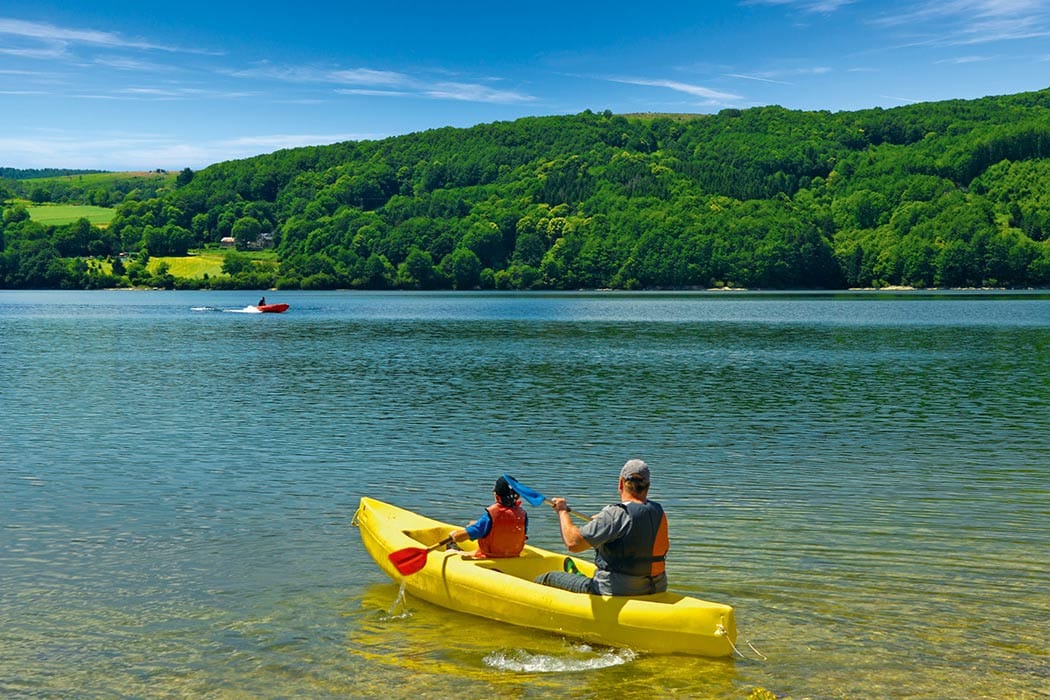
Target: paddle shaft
{"x":534,"y":497}
{"x":442,"y":543}
{"x":581,"y":516}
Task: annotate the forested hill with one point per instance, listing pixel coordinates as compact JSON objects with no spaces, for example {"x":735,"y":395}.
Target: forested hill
{"x":30,"y":173}
{"x":937,"y":194}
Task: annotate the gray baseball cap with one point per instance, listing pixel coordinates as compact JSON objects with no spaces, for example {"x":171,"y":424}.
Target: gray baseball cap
{"x":635,"y":470}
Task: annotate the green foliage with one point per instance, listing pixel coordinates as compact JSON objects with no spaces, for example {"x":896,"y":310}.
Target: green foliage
{"x":246,"y":230}
{"x":35,"y":173}
{"x":463,"y":268}
{"x":236,"y":263}
{"x":946,"y":194}
{"x":84,"y":187}
{"x":184,"y":177}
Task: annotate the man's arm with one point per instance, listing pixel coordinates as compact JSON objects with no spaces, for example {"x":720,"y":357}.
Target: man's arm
{"x":570,"y":534}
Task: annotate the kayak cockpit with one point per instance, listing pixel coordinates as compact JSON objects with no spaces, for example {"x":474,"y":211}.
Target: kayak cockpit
{"x":427,"y":536}
{"x":526,"y":566}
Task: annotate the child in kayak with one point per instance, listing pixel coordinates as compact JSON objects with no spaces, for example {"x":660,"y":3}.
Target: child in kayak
{"x":502,"y":529}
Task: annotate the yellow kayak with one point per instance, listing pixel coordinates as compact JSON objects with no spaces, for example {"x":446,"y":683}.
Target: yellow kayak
{"x":503,"y":589}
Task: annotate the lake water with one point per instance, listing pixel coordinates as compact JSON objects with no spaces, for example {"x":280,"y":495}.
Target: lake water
{"x":863,"y":476}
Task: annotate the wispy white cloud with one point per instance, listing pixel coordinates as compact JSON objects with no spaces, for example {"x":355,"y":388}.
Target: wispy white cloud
{"x":963,"y":22}
{"x":15,"y":71}
{"x":966,"y":59}
{"x":43,"y":31}
{"x":131,"y":64}
{"x":58,"y":38}
{"x":758,"y":78}
{"x":149,"y":92}
{"x":36,"y":53}
{"x":777,"y":76}
{"x":135,"y":151}
{"x":464,"y":92}
{"x":180,"y":93}
{"x":268,"y":71}
{"x":687,"y":88}
{"x":268,"y":141}
{"x":368,"y":76}
{"x":368,"y":92}
{"x":822,"y":6}
{"x":384,"y":83}
{"x":902,"y":100}
{"x":472,"y":92}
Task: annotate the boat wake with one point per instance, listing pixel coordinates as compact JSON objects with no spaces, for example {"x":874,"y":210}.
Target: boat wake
{"x":581,"y":658}
{"x":245,"y":310}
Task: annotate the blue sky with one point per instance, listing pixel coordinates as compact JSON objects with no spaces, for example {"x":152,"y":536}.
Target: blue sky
{"x":117,"y":86}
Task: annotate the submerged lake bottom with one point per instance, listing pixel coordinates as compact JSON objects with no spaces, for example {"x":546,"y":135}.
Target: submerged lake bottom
{"x":861,"y":475}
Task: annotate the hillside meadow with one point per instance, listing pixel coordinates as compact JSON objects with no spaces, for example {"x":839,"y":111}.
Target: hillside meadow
{"x":195,"y":266}
{"x":62,"y":214}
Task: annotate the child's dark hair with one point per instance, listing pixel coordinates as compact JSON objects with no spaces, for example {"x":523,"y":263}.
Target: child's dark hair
{"x":507,"y":496}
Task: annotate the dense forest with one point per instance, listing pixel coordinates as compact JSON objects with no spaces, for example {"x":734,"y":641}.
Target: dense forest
{"x":945,"y":194}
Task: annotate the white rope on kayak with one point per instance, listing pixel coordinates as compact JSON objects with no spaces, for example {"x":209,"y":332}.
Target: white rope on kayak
{"x":721,"y":631}
{"x":752,"y":646}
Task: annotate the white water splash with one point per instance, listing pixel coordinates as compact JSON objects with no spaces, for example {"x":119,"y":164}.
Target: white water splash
{"x":244,"y":310}
{"x":400,"y":601}
{"x":580,"y":658}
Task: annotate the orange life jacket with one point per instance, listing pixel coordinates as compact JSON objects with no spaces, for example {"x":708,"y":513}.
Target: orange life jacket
{"x":506,"y":537}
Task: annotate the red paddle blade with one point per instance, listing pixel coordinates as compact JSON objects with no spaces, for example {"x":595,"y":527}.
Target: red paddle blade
{"x":409,"y":560}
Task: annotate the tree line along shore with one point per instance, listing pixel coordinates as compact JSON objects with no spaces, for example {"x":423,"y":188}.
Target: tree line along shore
{"x":939,"y":194}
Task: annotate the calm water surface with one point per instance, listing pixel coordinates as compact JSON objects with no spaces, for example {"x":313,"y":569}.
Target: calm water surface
{"x":863,"y":476}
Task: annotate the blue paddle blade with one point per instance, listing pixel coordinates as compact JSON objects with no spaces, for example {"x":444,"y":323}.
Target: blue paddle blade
{"x":532,"y":496}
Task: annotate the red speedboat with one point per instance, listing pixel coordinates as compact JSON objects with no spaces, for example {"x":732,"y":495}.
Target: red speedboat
{"x":272,"y":308}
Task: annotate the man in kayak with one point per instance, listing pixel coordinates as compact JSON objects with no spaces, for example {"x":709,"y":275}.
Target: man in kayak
{"x":629,"y":539}
{"x":503,"y":528}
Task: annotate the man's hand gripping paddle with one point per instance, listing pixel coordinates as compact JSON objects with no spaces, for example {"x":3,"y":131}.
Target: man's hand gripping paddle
{"x":534,"y":497}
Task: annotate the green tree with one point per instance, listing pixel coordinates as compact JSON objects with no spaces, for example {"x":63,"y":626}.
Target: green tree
{"x":236,"y":263}
{"x":417,"y":271}
{"x":246,"y":231}
{"x":463,"y":267}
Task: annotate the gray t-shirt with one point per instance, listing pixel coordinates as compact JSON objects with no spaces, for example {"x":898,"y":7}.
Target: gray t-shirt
{"x":612,"y":523}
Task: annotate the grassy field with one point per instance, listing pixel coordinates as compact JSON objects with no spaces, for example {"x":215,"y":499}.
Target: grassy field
{"x":104,"y":178}
{"x":58,"y":214}
{"x":207,"y":262}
